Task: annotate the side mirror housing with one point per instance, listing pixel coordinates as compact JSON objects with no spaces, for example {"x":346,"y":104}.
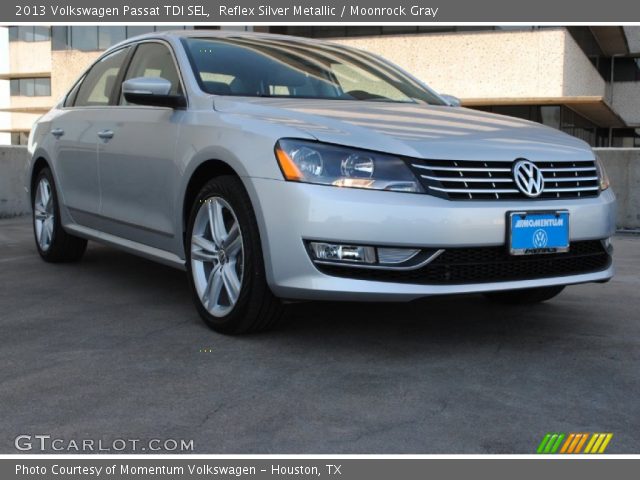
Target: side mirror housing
{"x":152,"y":91}
{"x":451,"y":100}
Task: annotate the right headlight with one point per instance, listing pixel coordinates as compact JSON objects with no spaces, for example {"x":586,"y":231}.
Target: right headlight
{"x":603,"y":178}
{"x":326,"y":164}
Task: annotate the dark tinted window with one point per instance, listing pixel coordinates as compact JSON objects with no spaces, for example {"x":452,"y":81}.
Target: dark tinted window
{"x":154,"y":60}
{"x":28,"y":34}
{"x":84,"y":38}
{"x":110,"y":35}
{"x":30,"y":87}
{"x":266,"y":67}
{"x":99,"y":83}
{"x":19,"y":138}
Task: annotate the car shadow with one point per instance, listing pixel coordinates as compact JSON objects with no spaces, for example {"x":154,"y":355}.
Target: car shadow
{"x":439,"y":320}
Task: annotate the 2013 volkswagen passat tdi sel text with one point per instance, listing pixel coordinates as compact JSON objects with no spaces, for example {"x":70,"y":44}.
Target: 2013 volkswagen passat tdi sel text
{"x":274,"y":168}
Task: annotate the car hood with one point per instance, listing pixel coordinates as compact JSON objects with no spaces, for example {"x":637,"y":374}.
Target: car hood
{"x":415,"y":130}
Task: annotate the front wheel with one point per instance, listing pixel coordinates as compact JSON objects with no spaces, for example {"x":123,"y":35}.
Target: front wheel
{"x":525,"y":296}
{"x":225,"y":262}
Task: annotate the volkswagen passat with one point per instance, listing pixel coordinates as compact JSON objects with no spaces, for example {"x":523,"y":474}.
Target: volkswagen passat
{"x":273,"y":168}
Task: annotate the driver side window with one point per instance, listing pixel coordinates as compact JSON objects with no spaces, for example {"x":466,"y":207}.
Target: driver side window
{"x":154,"y":60}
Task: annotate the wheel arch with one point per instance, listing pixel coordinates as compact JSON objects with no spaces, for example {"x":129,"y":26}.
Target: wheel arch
{"x":204,"y":172}
{"x":38,"y":165}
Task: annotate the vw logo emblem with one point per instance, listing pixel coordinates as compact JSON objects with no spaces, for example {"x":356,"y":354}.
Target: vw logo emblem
{"x":528,"y":178}
{"x":540,"y":238}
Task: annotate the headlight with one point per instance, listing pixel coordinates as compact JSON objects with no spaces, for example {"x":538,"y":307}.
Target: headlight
{"x":603,"y":178}
{"x":313,"y":162}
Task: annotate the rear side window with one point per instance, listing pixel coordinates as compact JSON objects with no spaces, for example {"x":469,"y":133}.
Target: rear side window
{"x":97,"y":86}
{"x":154,"y":60}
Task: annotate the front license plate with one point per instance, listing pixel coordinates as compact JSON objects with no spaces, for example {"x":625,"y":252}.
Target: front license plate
{"x":533,"y":233}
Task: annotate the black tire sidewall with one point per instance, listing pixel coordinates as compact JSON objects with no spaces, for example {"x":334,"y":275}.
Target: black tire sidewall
{"x":232,"y":191}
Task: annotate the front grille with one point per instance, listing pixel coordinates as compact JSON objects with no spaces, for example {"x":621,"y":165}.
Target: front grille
{"x":493,"y":180}
{"x":488,"y":264}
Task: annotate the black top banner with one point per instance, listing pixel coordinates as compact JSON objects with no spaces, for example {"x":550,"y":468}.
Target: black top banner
{"x":317,"y":11}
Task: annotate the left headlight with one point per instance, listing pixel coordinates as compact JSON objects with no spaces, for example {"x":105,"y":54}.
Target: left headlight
{"x":603,"y":178}
{"x":325,"y":164}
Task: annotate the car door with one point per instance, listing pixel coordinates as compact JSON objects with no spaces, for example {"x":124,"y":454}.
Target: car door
{"x":136,"y":157}
{"x":75,"y":132}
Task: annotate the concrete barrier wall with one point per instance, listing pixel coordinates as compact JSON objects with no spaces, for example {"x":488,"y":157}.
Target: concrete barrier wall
{"x":13,"y":199}
{"x":623,"y":166}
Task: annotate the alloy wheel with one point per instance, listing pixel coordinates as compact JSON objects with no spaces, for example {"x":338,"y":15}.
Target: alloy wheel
{"x":217,"y":256}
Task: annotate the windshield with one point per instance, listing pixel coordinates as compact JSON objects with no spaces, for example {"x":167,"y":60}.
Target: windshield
{"x":286,"y":68}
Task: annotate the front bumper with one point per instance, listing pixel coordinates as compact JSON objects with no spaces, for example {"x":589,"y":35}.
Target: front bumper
{"x":289,"y":213}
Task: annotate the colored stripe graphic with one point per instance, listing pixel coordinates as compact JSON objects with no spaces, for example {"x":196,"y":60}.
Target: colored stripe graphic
{"x":550,"y":443}
{"x":598,"y":443}
{"x":573,"y":443}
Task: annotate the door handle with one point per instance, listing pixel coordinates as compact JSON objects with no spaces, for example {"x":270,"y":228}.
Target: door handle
{"x":57,"y":132}
{"x":105,"y":134}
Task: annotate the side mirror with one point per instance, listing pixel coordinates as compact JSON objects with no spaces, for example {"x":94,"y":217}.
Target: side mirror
{"x":451,"y":100}
{"x":151,"y":91}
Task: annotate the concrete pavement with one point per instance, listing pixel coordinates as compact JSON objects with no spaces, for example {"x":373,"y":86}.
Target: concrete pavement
{"x":112,"y":348}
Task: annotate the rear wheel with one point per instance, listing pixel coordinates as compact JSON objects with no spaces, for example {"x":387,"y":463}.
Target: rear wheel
{"x":525,"y":296}
{"x":225,"y":262}
{"x":53,"y":243}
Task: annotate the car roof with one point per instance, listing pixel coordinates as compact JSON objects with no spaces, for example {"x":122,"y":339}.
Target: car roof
{"x":204,"y":33}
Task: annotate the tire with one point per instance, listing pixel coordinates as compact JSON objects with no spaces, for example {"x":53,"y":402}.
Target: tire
{"x":225,"y":263}
{"x":53,"y":243}
{"x":525,"y":296}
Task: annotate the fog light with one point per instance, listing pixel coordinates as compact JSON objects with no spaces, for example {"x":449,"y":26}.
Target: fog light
{"x":608,"y":245}
{"x":345,"y":253}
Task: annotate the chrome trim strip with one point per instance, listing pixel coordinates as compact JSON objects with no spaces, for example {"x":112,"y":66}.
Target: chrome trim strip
{"x":573,"y":169}
{"x":477,"y":190}
{"x":576,"y":189}
{"x":152,"y":253}
{"x":470,"y":180}
{"x":569,"y":179}
{"x":383,"y":267}
{"x":462,"y":169}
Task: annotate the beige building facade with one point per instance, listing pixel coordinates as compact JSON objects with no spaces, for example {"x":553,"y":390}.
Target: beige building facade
{"x":583,"y":80}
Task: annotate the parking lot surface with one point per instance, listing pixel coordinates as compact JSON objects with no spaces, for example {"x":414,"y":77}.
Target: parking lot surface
{"x":112,"y":348}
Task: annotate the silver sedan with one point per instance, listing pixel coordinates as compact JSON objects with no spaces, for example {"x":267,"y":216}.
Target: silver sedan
{"x":276,"y":168}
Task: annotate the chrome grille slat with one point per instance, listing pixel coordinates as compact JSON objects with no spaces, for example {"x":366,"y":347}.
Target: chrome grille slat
{"x":493,"y":180}
{"x":474,"y":190}
{"x":575,"y":169}
{"x":462,"y":169}
{"x":573,"y":189}
{"x":467,"y":179}
{"x":570,"y":179}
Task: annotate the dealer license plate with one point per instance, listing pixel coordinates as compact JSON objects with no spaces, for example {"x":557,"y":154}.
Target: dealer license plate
{"x":533,"y":233}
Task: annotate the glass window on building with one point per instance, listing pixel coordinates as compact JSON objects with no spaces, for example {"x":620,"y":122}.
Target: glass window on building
{"x":327,"y":31}
{"x":29,"y":34}
{"x":88,"y":38}
{"x":625,"y":137}
{"x":84,"y":38}
{"x":109,"y":36}
{"x":626,"y":69}
{"x":30,"y":87}
{"x":14,"y":87}
{"x":19,"y":138}
{"x":556,"y":116}
{"x":550,"y":115}
{"x":59,"y":38}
